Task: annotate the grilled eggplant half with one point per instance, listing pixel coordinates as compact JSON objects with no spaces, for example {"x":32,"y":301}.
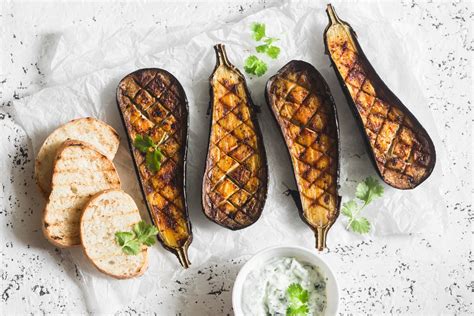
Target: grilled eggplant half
{"x":401,"y":149}
{"x":153,"y":104}
{"x":236,"y":176}
{"x":304,"y":109}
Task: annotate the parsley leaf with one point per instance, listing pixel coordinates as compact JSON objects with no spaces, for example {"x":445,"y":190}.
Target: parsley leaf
{"x":298,"y":298}
{"x":258,"y":30}
{"x":366,"y":191}
{"x":255,"y":66}
{"x":131,"y":242}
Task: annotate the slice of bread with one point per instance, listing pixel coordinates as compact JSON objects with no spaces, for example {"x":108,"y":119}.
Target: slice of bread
{"x":90,"y":130}
{"x":106,"y":213}
{"x":79,"y":172}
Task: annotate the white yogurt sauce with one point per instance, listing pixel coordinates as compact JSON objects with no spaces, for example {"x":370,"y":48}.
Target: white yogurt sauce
{"x":265,"y":290}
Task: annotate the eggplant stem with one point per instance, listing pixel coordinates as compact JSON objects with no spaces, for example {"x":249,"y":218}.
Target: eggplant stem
{"x":183,"y":257}
{"x":321,"y":234}
{"x":221,"y":55}
{"x":335,"y":20}
{"x":332,"y":15}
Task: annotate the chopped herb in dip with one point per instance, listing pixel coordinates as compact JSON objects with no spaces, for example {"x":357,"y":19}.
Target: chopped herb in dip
{"x":285,"y":286}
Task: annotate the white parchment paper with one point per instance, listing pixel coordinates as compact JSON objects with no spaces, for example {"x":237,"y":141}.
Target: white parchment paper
{"x":300,"y":29}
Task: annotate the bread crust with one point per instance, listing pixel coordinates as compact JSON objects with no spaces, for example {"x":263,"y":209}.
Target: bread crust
{"x":42,"y":176}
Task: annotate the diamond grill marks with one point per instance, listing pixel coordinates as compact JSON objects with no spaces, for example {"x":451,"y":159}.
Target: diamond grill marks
{"x":304,"y":111}
{"x":235,"y":181}
{"x":402,"y":156}
{"x":152,"y":102}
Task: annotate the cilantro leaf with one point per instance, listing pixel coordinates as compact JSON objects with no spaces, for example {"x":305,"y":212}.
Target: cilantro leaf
{"x":360,"y":225}
{"x":153,"y":160}
{"x":302,"y":310}
{"x":349,"y":208}
{"x":255,"y":66}
{"x":368,"y":190}
{"x":273,"y":51}
{"x":258,"y":30}
{"x":123,"y":237}
{"x":261,"y":48}
{"x":143,"y":143}
{"x":131,"y":242}
{"x":298,"y":298}
{"x":261,"y":69}
{"x":132,"y":248}
{"x":297,"y":293}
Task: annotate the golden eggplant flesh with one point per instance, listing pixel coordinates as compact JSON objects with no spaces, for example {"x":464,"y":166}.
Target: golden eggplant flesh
{"x":303,"y":107}
{"x":401,"y":149}
{"x":236,"y":176}
{"x":152,"y":103}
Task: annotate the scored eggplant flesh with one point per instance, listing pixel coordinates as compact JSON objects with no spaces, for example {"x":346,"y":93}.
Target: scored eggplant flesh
{"x":401,"y":149}
{"x":236,"y":176}
{"x":152,"y":102}
{"x":304,"y":109}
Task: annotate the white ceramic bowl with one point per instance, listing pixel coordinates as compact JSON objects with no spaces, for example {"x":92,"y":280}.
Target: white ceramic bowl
{"x":302,"y":254}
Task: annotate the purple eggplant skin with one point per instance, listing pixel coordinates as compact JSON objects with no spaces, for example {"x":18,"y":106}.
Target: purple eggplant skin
{"x":234,"y":191}
{"x":401,"y":150}
{"x":303,"y":107}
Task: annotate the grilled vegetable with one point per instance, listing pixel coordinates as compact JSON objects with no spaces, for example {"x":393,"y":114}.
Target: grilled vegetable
{"x":236,"y":176}
{"x":303,"y":107}
{"x":401,"y":149}
{"x":154,"y":108}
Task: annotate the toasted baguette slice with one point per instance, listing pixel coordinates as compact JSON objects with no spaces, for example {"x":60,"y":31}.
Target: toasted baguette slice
{"x":90,"y":130}
{"x":79,"y":172}
{"x":106,"y":213}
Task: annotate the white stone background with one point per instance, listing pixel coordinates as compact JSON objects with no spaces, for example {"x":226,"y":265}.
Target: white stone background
{"x":416,"y":274}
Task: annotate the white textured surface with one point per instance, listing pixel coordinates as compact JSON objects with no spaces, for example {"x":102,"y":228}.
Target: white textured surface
{"x":416,"y":274}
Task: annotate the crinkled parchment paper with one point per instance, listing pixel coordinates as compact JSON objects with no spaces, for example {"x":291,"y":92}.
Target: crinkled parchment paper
{"x":300,"y":29}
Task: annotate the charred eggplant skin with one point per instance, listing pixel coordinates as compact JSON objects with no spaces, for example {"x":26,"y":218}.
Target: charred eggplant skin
{"x":401,"y":150}
{"x":235,"y":181}
{"x":303,"y":107}
{"x":152,"y":102}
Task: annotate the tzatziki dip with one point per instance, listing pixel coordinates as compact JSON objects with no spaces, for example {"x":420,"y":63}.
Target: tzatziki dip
{"x":268,"y":291}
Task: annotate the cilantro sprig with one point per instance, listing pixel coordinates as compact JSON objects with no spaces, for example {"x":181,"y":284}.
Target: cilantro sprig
{"x":366,"y":191}
{"x":298,"y":299}
{"x":141,"y":234}
{"x":154,"y":156}
{"x":253,"y":64}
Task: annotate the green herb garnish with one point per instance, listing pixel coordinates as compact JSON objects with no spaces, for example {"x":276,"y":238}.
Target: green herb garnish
{"x":141,"y":234}
{"x":146,"y":145}
{"x":253,"y":64}
{"x":366,"y":191}
{"x":298,"y":298}
{"x":271,"y":50}
{"x":258,"y":31}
